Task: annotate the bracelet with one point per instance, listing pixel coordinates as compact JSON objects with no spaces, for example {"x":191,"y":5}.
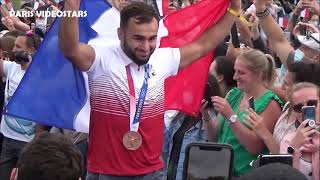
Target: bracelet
{"x":233,"y":12}
{"x":264,"y":13}
{"x":207,"y":120}
{"x":241,"y":18}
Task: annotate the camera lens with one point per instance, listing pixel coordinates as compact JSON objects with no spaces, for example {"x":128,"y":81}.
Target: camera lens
{"x":312,"y":123}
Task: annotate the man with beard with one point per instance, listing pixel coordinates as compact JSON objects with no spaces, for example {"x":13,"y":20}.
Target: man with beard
{"x":17,"y":132}
{"x":124,"y":141}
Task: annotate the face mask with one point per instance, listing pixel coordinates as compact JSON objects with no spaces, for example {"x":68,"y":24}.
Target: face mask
{"x":298,"y":55}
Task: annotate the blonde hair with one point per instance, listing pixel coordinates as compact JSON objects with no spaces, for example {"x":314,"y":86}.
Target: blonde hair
{"x":258,"y":62}
{"x":302,"y":85}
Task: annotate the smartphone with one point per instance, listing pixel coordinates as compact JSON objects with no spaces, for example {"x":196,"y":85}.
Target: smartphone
{"x":275,"y":158}
{"x":234,"y":36}
{"x":208,"y":161}
{"x":251,"y":103}
{"x":309,"y":112}
{"x":208,"y":94}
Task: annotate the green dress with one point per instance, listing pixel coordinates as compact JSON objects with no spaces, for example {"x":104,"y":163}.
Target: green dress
{"x":242,"y":157}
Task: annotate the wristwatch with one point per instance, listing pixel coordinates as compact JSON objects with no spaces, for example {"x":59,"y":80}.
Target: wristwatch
{"x":290,"y":150}
{"x":232,"y":119}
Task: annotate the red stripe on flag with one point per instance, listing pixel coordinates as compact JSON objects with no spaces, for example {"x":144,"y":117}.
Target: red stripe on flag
{"x":165,"y":7}
{"x":305,"y":13}
{"x":184,"y":92}
{"x":283,"y":22}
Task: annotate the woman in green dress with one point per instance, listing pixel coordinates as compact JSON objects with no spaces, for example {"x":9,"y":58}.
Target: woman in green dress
{"x":255,"y":74}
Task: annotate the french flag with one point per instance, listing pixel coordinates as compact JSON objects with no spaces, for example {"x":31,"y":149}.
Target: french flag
{"x":54,"y":92}
{"x":305,"y":13}
{"x":283,"y":22}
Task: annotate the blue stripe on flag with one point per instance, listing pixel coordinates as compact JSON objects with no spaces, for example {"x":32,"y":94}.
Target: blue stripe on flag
{"x":52,"y":92}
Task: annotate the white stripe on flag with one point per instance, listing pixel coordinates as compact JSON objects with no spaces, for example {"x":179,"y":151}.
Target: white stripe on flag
{"x":82,"y":121}
{"x":162,"y":32}
{"x":281,"y":21}
{"x":305,"y":13}
{"x":107,"y":35}
{"x":159,"y":4}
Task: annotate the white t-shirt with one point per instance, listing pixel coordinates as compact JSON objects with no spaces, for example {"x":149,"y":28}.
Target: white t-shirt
{"x":11,"y":127}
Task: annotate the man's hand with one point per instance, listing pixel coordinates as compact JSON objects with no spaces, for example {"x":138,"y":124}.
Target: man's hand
{"x":310,"y":27}
{"x":235,"y":5}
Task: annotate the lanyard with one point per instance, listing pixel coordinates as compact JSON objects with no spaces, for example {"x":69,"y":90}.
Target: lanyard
{"x":135,"y":111}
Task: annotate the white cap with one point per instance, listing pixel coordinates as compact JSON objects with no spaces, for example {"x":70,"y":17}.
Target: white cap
{"x":311,"y":42}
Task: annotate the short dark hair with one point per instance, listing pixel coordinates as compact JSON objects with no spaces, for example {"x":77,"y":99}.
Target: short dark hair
{"x":276,"y":171}
{"x":305,"y":72}
{"x":33,"y":40}
{"x":142,"y":12}
{"x":50,"y":156}
{"x":225,"y":67}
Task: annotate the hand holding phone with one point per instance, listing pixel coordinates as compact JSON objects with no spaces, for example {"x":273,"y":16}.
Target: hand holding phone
{"x":309,"y":113}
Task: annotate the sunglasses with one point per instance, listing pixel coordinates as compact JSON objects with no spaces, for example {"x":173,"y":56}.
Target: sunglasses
{"x":298,"y":107}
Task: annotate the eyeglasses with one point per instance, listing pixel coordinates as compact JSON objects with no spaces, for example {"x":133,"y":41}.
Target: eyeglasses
{"x":298,"y":107}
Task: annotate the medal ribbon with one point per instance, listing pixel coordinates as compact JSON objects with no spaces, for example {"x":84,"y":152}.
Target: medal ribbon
{"x":136,"y":110}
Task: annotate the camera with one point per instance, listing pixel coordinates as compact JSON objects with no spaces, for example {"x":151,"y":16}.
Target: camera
{"x":21,"y":57}
{"x":312,"y":123}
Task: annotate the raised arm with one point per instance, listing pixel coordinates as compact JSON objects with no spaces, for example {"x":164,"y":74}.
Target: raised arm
{"x":210,"y":39}
{"x":295,"y":16}
{"x":275,"y":35}
{"x":18,"y":24}
{"x":80,"y":54}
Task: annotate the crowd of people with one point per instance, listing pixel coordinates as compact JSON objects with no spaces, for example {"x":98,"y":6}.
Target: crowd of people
{"x":257,"y":56}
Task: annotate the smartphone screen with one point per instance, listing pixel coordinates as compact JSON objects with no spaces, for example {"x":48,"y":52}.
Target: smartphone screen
{"x":251,"y":103}
{"x":276,"y":158}
{"x":208,"y":161}
{"x":234,"y":36}
{"x":309,"y":112}
{"x":208,"y":94}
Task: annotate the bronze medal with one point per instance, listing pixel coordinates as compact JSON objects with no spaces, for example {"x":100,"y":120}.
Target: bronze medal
{"x":132,"y":140}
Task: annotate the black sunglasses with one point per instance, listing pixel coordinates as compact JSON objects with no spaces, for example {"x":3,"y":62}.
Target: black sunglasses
{"x":298,"y":107}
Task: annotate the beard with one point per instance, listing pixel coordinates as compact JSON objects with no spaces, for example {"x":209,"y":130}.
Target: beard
{"x":130,"y":53}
